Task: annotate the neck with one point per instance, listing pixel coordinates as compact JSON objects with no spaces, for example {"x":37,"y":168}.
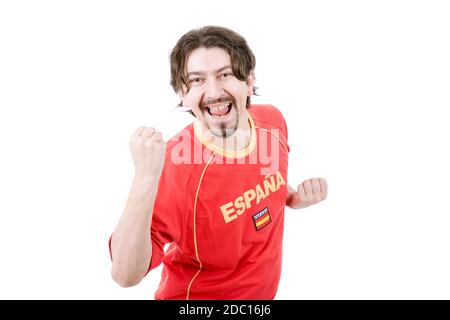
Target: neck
{"x":240,"y":138}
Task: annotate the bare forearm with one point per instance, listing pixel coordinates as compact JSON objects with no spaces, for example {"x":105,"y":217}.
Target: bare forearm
{"x":131,"y":243}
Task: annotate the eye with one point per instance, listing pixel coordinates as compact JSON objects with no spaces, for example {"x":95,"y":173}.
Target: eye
{"x":226,"y":75}
{"x":196,"y":81}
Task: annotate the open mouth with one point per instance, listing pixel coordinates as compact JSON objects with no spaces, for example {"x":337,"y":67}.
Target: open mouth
{"x":220,"y":110}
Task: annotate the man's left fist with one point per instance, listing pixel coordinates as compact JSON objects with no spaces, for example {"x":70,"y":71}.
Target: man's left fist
{"x":310,"y":192}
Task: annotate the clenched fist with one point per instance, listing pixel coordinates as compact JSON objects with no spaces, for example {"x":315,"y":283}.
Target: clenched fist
{"x":309,"y":192}
{"x":148,"y":152}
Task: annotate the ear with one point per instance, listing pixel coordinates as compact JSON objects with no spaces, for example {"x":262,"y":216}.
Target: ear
{"x":182,"y":94}
{"x":250,"y":83}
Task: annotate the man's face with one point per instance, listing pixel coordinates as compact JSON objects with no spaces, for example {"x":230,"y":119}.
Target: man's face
{"x":217,"y":98}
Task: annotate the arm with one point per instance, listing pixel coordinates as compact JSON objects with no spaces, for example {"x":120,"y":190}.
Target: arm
{"x":131,"y":246}
{"x":309,"y":192}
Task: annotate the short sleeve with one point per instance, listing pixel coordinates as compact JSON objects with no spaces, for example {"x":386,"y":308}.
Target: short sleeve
{"x":167,"y":212}
{"x":270,"y":118}
{"x":280,"y":122}
{"x":285,"y":132}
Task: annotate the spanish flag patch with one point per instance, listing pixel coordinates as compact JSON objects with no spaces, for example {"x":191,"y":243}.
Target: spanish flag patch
{"x":262,"y":219}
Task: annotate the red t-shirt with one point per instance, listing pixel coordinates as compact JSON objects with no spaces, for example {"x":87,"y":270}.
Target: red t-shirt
{"x":222,"y":213}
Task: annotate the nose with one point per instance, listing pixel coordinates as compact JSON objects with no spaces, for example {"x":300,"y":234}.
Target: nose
{"x":213,"y":90}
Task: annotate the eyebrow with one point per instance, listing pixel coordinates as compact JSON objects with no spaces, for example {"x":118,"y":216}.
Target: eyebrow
{"x":196,"y":73}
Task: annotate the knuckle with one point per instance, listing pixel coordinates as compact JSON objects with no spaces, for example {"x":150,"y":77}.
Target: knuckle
{"x":135,"y":141}
{"x":140,"y":140}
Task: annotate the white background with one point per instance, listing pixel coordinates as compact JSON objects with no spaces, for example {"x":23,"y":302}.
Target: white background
{"x":364,"y":87}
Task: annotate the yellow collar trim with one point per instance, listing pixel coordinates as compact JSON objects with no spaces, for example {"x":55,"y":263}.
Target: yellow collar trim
{"x":198,"y":131}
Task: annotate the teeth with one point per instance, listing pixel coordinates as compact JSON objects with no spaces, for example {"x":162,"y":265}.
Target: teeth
{"x":219,"y":108}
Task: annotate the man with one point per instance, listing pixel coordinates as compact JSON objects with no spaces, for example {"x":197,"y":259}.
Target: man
{"x":216,"y":192}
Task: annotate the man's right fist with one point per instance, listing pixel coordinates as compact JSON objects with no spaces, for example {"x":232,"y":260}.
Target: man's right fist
{"x":148,"y":152}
